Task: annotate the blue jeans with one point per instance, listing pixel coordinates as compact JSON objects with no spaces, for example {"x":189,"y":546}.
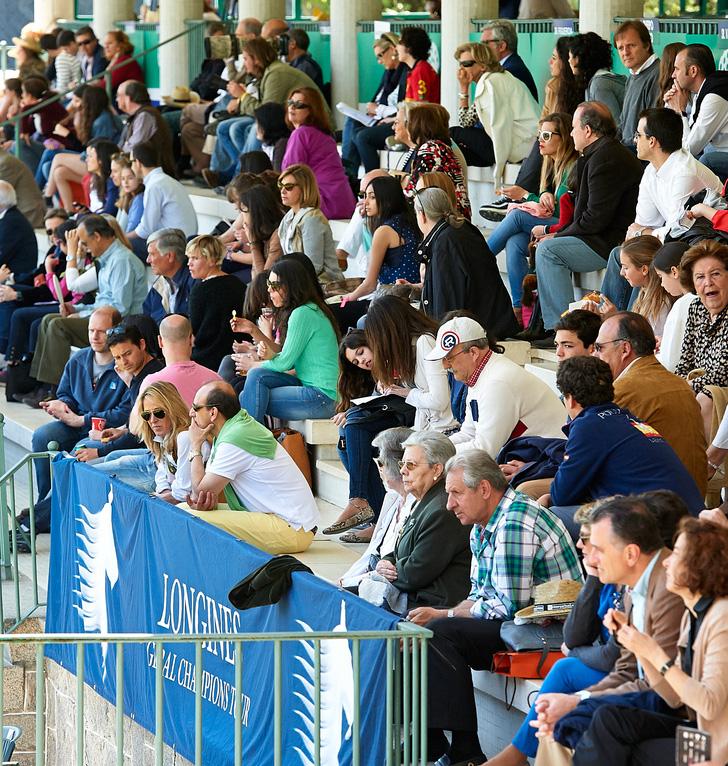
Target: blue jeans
{"x":30,"y":153}
{"x":615,"y":286}
{"x":566,"y":514}
{"x":717,"y":162}
{"x":283,"y":396}
{"x":556,"y":259}
{"x":227,"y":149}
{"x":21,"y":321}
{"x":349,"y":151}
{"x":135,"y":467}
{"x":565,"y":677}
{"x":513,"y":233}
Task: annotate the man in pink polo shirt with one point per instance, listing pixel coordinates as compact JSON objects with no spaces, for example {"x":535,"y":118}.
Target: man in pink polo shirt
{"x":175,"y":339}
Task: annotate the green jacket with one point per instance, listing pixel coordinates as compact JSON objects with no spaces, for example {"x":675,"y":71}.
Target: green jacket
{"x":277,"y":82}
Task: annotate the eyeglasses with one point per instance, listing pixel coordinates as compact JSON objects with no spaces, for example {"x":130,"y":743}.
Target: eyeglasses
{"x":84,"y":42}
{"x":146,"y":415}
{"x":599,"y":346}
{"x":287,"y":187}
{"x":467,"y":64}
{"x":383,"y":53}
{"x":492,"y":40}
{"x":114,"y":332}
{"x":451,"y":356}
{"x":198,"y":407}
{"x":275,"y":286}
{"x":297,"y":104}
{"x":410,"y":465}
{"x":546,"y":135}
{"x":639,"y":135}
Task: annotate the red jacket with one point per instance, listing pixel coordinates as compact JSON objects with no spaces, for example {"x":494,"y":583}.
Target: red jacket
{"x":423,"y":84}
{"x":50,"y":116}
{"x":130,"y":71}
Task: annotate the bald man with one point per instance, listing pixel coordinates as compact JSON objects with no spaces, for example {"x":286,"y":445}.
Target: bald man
{"x":175,"y":340}
{"x":273,"y":29}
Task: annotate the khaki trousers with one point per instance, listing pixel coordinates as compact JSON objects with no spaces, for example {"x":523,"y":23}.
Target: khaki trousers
{"x":551,"y":753}
{"x":56,"y":336}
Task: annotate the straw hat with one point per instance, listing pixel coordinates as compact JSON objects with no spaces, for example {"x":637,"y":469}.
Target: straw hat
{"x":181,"y":96}
{"x":31,"y":44}
{"x":553,"y":599}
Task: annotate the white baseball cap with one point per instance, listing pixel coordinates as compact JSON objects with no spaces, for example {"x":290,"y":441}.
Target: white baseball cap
{"x":457,"y":330}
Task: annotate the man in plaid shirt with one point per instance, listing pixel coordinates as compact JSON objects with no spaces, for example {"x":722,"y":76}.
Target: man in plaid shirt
{"x":516,"y":545}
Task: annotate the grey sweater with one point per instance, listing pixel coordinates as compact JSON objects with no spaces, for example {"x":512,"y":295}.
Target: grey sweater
{"x":641,"y":93}
{"x":607,"y":87}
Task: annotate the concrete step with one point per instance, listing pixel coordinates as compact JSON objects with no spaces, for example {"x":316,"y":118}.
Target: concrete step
{"x":332,"y":482}
{"x":316,"y":431}
{"x":546,"y":358}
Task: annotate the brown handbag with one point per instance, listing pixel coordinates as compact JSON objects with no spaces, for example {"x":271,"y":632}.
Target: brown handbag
{"x":294,"y":444}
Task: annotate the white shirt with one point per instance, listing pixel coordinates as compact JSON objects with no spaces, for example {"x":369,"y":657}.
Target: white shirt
{"x":166,"y":205}
{"x":639,"y":601}
{"x":431,"y":397}
{"x":674,"y":332}
{"x":664,"y":193}
{"x":274,"y":486}
{"x":710,"y":127}
{"x":504,"y":396}
{"x":352,"y":243}
{"x":635,"y":72}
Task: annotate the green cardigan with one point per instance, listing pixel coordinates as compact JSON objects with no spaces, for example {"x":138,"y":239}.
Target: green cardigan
{"x":562,"y":188}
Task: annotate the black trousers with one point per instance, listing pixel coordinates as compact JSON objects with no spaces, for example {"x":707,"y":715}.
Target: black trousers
{"x":458,"y":645}
{"x":475,"y":144}
{"x":624,"y":735}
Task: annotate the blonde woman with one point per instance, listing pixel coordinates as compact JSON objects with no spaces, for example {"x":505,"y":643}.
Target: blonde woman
{"x":304,"y":228}
{"x":213,"y":299}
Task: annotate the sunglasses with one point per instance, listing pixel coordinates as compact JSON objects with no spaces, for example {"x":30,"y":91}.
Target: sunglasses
{"x":275,"y":286}
{"x":410,"y":465}
{"x":146,"y":415}
{"x":84,"y":42}
{"x":467,"y":64}
{"x":114,"y":331}
{"x":198,"y":407}
{"x":545,"y":135}
{"x":287,"y":187}
{"x":297,"y":104}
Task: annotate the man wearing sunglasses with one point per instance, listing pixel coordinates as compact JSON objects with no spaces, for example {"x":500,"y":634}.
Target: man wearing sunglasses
{"x":92,"y":55}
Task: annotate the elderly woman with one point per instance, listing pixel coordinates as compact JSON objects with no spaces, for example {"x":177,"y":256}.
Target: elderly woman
{"x":705,"y":343}
{"x":213,"y":298}
{"x":697,"y":571}
{"x":430,"y":562}
{"x":502,"y":105}
{"x":396,"y":507}
{"x":460,"y":271}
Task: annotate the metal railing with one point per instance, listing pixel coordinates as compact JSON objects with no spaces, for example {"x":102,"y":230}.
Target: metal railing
{"x":405,"y":695}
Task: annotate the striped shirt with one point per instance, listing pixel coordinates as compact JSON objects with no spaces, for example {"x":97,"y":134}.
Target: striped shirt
{"x":521,"y":546}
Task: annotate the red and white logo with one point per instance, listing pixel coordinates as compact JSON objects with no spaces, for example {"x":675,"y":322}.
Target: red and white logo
{"x":449,"y":340}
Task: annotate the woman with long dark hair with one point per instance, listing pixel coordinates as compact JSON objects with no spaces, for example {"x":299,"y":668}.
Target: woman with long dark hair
{"x":262,"y":214}
{"x":309,"y":336}
{"x":272,"y":131}
{"x":103,"y":192}
{"x":590,"y":59}
{"x":397,"y":340}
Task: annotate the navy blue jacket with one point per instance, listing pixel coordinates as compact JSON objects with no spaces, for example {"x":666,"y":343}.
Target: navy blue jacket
{"x":109,"y":399}
{"x":517,"y":67}
{"x":610,"y":452}
{"x":18,"y":245}
{"x":153,"y":302}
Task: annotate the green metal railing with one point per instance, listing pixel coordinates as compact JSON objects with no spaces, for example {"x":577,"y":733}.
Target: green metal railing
{"x":405,"y":695}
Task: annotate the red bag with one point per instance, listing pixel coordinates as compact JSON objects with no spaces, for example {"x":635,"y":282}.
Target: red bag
{"x":525,"y":664}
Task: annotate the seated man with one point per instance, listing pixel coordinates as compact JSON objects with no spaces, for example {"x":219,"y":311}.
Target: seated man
{"x":299,"y":57}
{"x":89,"y":388}
{"x":269,"y":502}
{"x":651,"y":393}
{"x":526,"y":406}
{"x":170,"y":291}
{"x":628,"y":550}
{"x":122,"y":283}
{"x":576,"y":333}
{"x":516,"y":545}
{"x":608,"y":451}
{"x":607,"y":182}
{"x":18,"y":245}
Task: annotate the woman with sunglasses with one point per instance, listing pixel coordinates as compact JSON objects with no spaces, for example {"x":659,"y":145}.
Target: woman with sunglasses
{"x":309,"y":336}
{"x":213,"y":298}
{"x":312,"y":143}
{"x":304,"y":228}
{"x":539,"y":211}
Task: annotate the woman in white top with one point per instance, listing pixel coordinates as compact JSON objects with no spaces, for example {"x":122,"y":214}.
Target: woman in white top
{"x":666,"y":264}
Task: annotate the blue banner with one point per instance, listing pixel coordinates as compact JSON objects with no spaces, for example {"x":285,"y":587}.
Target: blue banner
{"x":124,"y":562}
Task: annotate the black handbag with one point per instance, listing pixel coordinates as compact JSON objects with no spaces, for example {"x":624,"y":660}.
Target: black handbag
{"x":18,"y":380}
{"x":391,"y":404}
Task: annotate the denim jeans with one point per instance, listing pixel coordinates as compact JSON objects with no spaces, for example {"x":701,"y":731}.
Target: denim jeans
{"x":556,"y":259}
{"x":565,"y":677}
{"x":566,"y":514}
{"x":615,"y":286}
{"x":21,"y":321}
{"x":349,"y":151}
{"x":283,"y":396}
{"x":135,"y":467}
{"x":717,"y":162}
{"x":225,"y":154}
{"x":513,"y":233}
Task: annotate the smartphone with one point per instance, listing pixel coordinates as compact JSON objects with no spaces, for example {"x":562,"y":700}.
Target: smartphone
{"x":691,"y":745}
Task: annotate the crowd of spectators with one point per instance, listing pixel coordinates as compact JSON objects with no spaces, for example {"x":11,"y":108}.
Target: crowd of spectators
{"x":471,"y":480}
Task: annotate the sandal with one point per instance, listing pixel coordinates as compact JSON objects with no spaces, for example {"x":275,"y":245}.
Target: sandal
{"x":365,"y":513}
{"x":357,"y":537}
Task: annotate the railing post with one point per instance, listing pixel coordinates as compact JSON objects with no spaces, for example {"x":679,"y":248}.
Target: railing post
{"x":39,"y":706}
{"x":5,"y":564}
{"x":4,"y":59}
{"x":159,"y":705}
{"x":80,"y":672}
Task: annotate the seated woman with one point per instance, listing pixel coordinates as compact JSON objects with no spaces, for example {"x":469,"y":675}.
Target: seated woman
{"x":304,"y":228}
{"x":272,"y":131}
{"x":666,"y":264}
{"x":103,"y":193}
{"x":460,"y":271}
{"x":393,"y":254}
{"x":503,"y":106}
{"x":430,"y":563}
{"x":590,"y":58}
{"x":213,"y":299}
{"x":309,"y":336}
{"x":689,"y":690}
{"x":117,"y":50}
{"x":396,"y":507}
{"x":130,"y":205}
{"x":312,"y":143}
{"x":262,"y":213}
{"x":398,"y":339}
{"x":427,"y":125}
{"x":514,"y":232}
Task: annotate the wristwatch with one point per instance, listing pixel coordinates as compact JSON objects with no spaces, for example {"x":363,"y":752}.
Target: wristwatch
{"x":583,"y":695}
{"x":193,"y":455}
{"x":450,"y":612}
{"x":666,"y":666}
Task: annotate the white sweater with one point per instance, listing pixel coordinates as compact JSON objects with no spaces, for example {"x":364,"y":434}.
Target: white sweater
{"x":431,"y":397}
{"x":504,"y":395}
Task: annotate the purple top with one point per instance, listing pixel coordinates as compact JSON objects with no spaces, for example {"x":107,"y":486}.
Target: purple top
{"x":311,"y":146}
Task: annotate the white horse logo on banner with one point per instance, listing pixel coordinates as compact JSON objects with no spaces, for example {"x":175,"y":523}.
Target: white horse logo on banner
{"x":337,"y":695}
{"x":97,"y":563}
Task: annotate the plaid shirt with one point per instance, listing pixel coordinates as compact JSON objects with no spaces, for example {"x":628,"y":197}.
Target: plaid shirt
{"x":521,"y":546}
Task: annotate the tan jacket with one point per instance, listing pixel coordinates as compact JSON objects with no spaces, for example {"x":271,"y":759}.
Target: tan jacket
{"x":707,"y":691}
{"x":668,"y":404}
{"x":663,"y":613}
